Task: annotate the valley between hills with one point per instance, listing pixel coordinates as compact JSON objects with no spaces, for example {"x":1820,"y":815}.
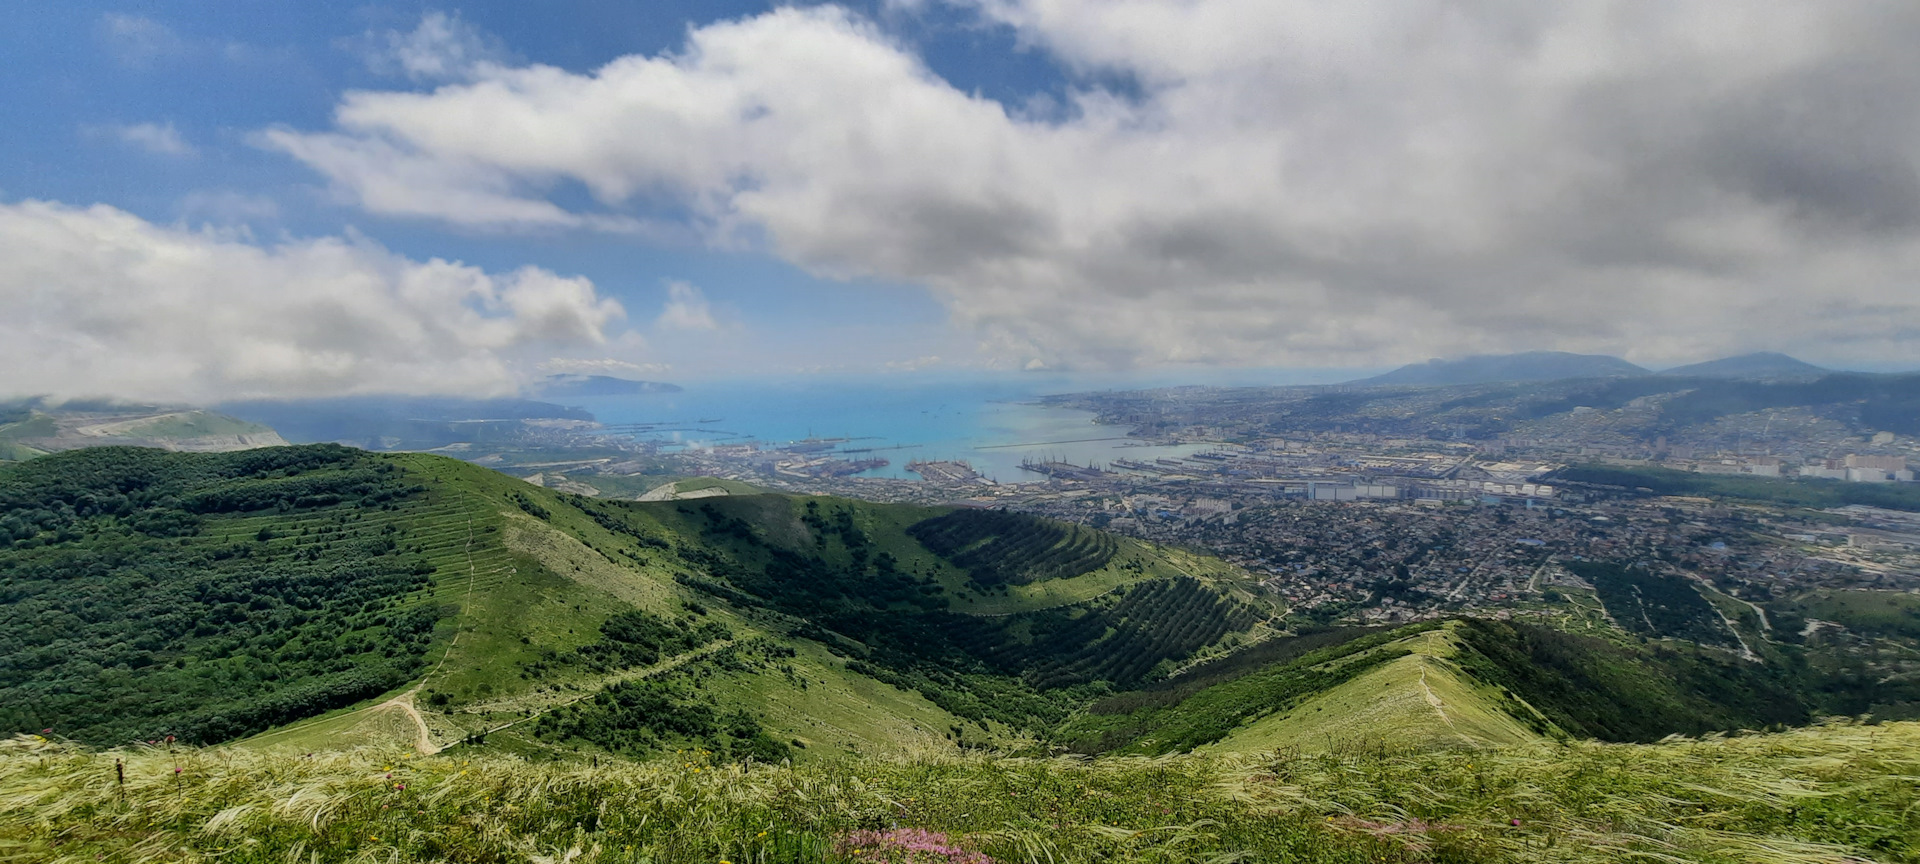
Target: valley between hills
{"x":273,"y":623}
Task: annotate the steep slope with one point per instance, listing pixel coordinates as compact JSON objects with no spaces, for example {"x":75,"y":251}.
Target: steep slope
{"x":1495,"y":368}
{"x":1423,"y":699}
{"x":1465,"y":682}
{"x":348,"y":597}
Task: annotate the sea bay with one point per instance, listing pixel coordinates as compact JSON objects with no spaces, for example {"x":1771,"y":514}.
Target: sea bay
{"x":992,"y":422}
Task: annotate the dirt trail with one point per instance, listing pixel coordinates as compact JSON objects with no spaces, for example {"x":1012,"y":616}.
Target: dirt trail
{"x":1746,"y":651}
{"x":1439,"y":707}
{"x":423,"y":737}
{"x":666,"y":665}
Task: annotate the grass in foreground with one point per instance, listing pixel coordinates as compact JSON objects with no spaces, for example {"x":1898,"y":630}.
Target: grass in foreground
{"x":1827,"y":794}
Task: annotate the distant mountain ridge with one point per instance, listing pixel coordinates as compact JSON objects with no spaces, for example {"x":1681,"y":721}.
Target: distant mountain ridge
{"x":399,"y":422}
{"x":33,"y":427}
{"x":1495,"y":368}
{"x":1759,"y":364}
{"x":561,"y":386}
{"x":1562,"y":365}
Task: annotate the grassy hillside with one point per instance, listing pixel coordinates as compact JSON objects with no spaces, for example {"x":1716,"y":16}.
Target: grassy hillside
{"x":1837,"y":793}
{"x":1422,"y":699}
{"x":414,"y":658}
{"x":351,"y":598}
{"x":322,"y":597}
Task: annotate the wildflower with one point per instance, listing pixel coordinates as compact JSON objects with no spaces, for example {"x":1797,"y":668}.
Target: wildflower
{"x":1513,"y":822}
{"x":908,"y":844}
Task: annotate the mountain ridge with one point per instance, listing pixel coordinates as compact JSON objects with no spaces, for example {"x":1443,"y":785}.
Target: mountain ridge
{"x":1501,"y":368}
{"x":1762,"y":365}
{"x":573,"y":385}
{"x":320,"y":596}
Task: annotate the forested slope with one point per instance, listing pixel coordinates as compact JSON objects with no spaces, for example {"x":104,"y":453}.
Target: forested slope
{"x":215,"y":596}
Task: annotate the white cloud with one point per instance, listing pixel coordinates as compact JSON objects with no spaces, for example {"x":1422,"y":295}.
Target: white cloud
{"x":686,"y":309}
{"x":138,"y":41}
{"x":105,"y":303}
{"x":441,"y":48}
{"x":1339,"y":184}
{"x":602,"y":366}
{"x":157,"y":138}
{"x":914,"y":365}
{"x":226,"y":206}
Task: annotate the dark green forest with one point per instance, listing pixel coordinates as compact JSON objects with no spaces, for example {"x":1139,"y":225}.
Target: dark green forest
{"x":1591,"y":687}
{"x":1785,"y":491}
{"x":998,"y":547}
{"x":137,"y":599}
{"x":1654,"y":604}
{"x":673,"y":712}
{"x":1027,"y":670}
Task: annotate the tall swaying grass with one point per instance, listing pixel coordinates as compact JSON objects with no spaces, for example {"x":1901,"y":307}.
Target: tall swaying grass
{"x":1830,"y":794}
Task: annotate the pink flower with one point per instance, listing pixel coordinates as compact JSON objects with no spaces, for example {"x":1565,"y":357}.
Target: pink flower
{"x":906,"y":846}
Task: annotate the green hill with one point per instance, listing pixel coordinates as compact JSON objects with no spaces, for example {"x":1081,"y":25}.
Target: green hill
{"x":320,"y":597}
{"x":759,"y":677}
{"x":335,"y":597}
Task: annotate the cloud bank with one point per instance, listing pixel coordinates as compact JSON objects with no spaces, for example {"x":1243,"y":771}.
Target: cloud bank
{"x":1283,"y":183}
{"x":101,"y":302}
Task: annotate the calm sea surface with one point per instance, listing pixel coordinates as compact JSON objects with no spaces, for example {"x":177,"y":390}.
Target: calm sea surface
{"x":991,"y":422}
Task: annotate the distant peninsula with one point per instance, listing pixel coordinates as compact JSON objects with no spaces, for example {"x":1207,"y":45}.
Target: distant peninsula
{"x":561,"y":386}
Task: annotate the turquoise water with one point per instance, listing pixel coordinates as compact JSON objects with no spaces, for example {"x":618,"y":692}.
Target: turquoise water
{"x":989,"y":421}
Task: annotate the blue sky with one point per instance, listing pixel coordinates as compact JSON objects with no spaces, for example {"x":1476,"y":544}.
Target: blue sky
{"x":214,"y":199}
{"x":214,"y":73}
